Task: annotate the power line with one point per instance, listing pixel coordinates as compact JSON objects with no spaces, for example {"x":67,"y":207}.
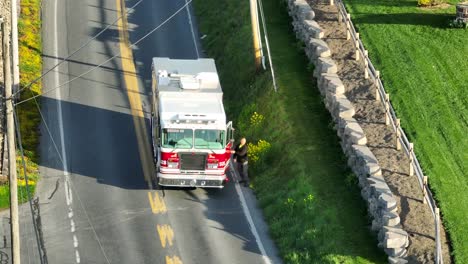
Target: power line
{"x":113,"y":57}
{"x":26,"y":179}
{"x":76,"y":51}
{"x":265,"y":33}
{"x":34,"y":97}
{"x":47,"y":128}
{"x":193,"y":33}
{"x":71,"y":184}
{"x":37,"y":232}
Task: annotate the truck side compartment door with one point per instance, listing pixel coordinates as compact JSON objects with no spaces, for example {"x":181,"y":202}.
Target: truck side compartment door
{"x":229,"y":134}
{"x":229,"y":140}
{"x":155,"y":128}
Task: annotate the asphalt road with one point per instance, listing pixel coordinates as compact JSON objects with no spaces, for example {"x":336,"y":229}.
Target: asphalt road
{"x":96,"y":203}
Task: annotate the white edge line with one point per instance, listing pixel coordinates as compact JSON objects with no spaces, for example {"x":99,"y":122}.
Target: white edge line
{"x":77,"y":256}
{"x":59,"y":95}
{"x":68,"y":195}
{"x":248,"y":216}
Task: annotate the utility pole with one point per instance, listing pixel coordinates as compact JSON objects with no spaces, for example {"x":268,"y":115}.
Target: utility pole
{"x":14,"y":44}
{"x":10,"y":126}
{"x":256,"y":33}
{"x":3,"y":143}
{"x":11,"y":134}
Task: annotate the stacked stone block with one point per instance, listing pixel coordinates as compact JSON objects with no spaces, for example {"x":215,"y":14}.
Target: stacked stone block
{"x":382,"y":205}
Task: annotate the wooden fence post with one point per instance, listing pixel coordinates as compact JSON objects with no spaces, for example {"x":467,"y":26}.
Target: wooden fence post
{"x":424,"y":189}
{"x":411,"y":168}
{"x":366,"y":64}
{"x":377,"y":77}
{"x":398,"y":134}
{"x":356,"y":44}
{"x":387,"y":109}
{"x":332,"y":2}
{"x":437,"y":236}
{"x":348,"y":27}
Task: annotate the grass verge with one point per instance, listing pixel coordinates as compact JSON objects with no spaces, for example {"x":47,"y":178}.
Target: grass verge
{"x":30,"y":64}
{"x":424,"y":66}
{"x":310,"y":198}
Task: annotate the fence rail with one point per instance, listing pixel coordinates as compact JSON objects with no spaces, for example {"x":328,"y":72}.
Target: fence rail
{"x":391,"y":119}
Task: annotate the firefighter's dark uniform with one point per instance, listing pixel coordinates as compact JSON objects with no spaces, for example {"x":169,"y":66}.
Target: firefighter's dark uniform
{"x":242,"y":162}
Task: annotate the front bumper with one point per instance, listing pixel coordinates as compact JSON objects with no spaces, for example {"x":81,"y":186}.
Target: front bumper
{"x":191,"y":180}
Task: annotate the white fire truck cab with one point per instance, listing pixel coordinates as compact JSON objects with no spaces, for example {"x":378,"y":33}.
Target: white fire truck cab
{"x":191,"y":139}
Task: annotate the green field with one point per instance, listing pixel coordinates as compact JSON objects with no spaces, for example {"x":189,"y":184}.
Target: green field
{"x":310,"y":198}
{"x":424,"y":65}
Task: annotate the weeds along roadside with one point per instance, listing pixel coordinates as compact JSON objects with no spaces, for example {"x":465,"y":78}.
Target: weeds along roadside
{"x":310,"y":199}
{"x":30,"y":64}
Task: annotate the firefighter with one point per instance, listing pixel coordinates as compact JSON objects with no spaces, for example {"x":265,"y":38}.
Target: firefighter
{"x":240,"y":156}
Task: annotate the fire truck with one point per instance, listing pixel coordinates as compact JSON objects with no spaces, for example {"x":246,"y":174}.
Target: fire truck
{"x":191,"y":140}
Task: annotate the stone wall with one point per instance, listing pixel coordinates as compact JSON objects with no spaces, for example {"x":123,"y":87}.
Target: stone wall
{"x":382,"y":206}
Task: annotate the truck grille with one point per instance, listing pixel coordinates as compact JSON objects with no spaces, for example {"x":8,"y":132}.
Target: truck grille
{"x":192,"y":161}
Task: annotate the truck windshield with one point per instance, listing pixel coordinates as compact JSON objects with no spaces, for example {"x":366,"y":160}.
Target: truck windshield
{"x":210,"y":139}
{"x":177,"y":138}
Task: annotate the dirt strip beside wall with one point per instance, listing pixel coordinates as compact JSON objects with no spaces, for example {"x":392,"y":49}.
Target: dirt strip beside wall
{"x":415,"y":216}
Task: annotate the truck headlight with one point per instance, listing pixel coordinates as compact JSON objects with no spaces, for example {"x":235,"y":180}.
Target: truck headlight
{"x":173,"y":163}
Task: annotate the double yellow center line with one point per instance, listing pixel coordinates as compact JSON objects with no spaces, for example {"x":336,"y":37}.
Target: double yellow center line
{"x":165,"y":232}
{"x":158,"y":206}
{"x":133,"y":93}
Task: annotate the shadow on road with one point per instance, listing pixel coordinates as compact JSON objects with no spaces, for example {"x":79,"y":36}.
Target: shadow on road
{"x":99,"y":143}
{"x":214,"y":215}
